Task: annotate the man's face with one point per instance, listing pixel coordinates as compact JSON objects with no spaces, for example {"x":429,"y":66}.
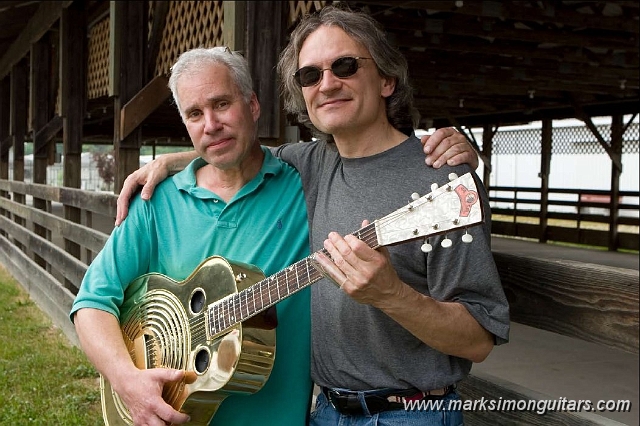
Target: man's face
{"x":342,"y":106}
{"x":220,"y":122}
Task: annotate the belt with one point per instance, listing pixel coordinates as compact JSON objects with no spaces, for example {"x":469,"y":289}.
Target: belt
{"x":376,"y":401}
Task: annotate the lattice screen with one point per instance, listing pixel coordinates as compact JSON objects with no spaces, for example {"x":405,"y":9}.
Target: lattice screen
{"x":189,"y":24}
{"x":565,"y":140}
{"x":98,"y":66}
{"x":297,"y":9}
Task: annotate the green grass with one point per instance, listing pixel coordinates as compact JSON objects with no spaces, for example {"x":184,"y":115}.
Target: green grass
{"x":44,"y":380}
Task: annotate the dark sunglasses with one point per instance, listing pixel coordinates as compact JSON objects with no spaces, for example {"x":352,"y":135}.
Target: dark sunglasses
{"x":342,"y":68}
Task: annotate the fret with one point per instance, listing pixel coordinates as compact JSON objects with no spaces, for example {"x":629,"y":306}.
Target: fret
{"x":246,"y":302}
{"x":295,"y":270}
{"x":278,"y":285}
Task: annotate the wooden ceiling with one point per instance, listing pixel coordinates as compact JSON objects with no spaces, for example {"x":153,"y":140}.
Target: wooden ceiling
{"x":475,"y":63}
{"x":498,"y":62}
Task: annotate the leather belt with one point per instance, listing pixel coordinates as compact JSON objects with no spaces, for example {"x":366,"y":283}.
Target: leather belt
{"x":348,"y":402}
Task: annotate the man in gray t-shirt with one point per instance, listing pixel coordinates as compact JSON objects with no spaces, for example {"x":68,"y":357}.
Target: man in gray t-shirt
{"x":402,"y":324}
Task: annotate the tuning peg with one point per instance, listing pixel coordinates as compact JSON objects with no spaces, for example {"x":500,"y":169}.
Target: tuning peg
{"x":446,"y":243}
{"x":453,"y":176}
{"x":426,"y":247}
{"x":415,"y":196}
{"x":467,"y":238}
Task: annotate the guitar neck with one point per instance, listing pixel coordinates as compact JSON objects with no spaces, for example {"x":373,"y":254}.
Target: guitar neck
{"x":451,"y":206}
{"x":241,"y":306}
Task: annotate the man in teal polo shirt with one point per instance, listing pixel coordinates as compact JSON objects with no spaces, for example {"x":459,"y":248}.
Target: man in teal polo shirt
{"x":237,"y":200}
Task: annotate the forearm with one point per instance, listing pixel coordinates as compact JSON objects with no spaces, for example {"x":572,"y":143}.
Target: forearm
{"x":177,"y":161}
{"x":445,"y":326}
{"x":101,"y":340}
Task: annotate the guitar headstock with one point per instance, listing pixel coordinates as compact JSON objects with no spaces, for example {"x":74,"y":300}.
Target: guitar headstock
{"x":451,"y":206}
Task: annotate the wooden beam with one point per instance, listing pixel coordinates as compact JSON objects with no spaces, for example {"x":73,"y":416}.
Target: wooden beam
{"x":46,"y":15}
{"x":143,"y":104}
{"x":559,"y":295}
{"x":615,"y":159}
{"x":46,"y":134}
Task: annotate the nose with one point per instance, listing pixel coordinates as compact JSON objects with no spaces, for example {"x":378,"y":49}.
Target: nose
{"x":212,"y":122}
{"x":328,"y":80}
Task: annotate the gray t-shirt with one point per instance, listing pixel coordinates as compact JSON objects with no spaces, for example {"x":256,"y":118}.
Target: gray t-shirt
{"x":357,"y":346}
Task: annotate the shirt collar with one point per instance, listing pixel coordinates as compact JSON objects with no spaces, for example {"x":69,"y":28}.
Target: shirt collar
{"x":186,"y":179}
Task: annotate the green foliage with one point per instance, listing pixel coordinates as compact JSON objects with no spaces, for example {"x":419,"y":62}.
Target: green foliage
{"x":43,"y":379}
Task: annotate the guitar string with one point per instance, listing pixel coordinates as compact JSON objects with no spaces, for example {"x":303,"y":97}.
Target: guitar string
{"x":234,"y":303}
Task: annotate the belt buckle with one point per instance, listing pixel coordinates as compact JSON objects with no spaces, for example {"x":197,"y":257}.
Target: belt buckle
{"x":345,"y":404}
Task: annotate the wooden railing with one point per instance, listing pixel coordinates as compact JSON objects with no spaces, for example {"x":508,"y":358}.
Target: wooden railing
{"x":36,"y":244}
{"x":555,"y":296}
{"x":587,"y":217}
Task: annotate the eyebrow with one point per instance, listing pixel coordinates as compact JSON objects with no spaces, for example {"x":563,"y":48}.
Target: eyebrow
{"x":209,"y":101}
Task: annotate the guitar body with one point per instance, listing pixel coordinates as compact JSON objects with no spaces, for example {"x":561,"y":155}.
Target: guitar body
{"x":164,"y":325}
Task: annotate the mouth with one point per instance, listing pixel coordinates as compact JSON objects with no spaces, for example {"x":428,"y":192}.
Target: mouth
{"x":219,"y":142}
{"x":333,"y":102}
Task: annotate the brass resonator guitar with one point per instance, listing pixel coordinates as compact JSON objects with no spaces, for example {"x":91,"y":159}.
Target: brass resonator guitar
{"x":215,"y":324}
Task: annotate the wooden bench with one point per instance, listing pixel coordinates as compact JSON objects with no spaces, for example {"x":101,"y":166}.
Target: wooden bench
{"x":574,"y":329}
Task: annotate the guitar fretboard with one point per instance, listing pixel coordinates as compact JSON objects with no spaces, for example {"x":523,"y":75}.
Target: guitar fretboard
{"x":239,"y":307}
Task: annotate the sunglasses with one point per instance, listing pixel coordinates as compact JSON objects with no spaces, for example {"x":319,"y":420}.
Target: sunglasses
{"x":342,"y":68}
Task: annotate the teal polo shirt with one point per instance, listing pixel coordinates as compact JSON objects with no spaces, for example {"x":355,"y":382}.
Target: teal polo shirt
{"x":264,"y":224}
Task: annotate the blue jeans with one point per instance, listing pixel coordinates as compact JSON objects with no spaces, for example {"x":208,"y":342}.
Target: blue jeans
{"x":325,"y":415}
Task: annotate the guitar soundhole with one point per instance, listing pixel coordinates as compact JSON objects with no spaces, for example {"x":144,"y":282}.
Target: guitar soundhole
{"x":202,"y":361}
{"x":198,"y":300}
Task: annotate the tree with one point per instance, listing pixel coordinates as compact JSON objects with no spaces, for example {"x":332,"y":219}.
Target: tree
{"x":105,"y":163}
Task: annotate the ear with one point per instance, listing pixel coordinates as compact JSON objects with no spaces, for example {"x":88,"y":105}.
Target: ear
{"x":387,"y":87}
{"x":255,"y":107}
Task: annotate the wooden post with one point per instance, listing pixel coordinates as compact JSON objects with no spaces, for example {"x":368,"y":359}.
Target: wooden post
{"x":617,"y":130}
{"x":5,"y":103}
{"x":235,"y":24}
{"x":128,"y":46}
{"x":40,"y":115}
{"x":545,"y":169}
{"x":5,"y":142}
{"x":73,"y":54}
{"x":19,"y":114}
{"x":487,"y":152}
{"x":264,"y":43}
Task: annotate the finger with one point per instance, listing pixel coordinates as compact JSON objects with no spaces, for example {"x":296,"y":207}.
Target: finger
{"x":330,"y":269}
{"x":122,"y":204}
{"x":442,"y":156}
{"x":148,"y":188}
{"x":425,"y":146}
{"x":452,"y":144}
{"x":464,"y":157}
{"x":166,"y":412}
{"x":438,"y":143}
